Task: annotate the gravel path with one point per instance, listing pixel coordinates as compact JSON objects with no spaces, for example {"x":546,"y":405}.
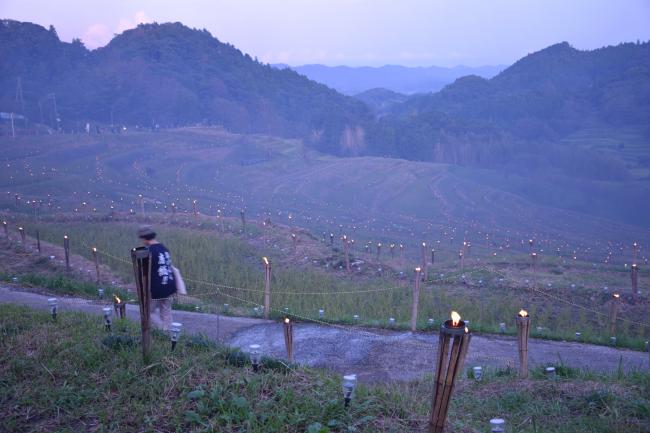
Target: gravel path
{"x":375,"y":355}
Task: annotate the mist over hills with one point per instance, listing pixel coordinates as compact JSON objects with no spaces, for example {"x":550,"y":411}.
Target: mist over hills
{"x":524,"y":120}
{"x":168,"y":75}
{"x":400,"y":79}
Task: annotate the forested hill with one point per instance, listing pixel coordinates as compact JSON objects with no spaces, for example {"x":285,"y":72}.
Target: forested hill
{"x":169,"y":74}
{"x":543,"y":97}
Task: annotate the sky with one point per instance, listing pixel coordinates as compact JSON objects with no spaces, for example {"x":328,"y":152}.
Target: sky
{"x":360,"y":32}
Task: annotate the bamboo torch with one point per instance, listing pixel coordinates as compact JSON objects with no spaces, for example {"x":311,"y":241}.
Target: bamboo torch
{"x":452,"y":349}
{"x":96,"y":260}
{"x":416,"y":300}
{"x":613,"y":313}
{"x":424,"y":266}
{"x":288,"y":338}
{"x":635,"y":280}
{"x":66,"y":248}
{"x":346,"y":249}
{"x":267,"y":287}
{"x":22,"y":235}
{"x":38,"y":241}
{"x":523,"y":330}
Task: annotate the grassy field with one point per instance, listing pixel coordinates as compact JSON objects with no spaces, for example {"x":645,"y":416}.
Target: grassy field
{"x":227,"y":269}
{"x":373,"y":199}
{"x":70,"y":375}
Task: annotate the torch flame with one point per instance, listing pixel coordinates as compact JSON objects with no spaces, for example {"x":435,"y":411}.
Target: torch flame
{"x":418,"y":269}
{"x":455,"y":318}
{"x":286,"y":320}
{"x":117,"y":299}
{"x":616,"y":295}
{"x":523,"y":313}
{"x":266,"y":261}
{"x":94,"y":249}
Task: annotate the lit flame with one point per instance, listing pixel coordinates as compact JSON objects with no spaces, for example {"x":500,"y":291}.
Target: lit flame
{"x":616,"y":295}
{"x":65,"y":237}
{"x":286,"y":320}
{"x":523,"y":313}
{"x":117,"y":299}
{"x":418,"y":269}
{"x":455,"y":318}
{"x":266,"y":261}
{"x":94,"y":249}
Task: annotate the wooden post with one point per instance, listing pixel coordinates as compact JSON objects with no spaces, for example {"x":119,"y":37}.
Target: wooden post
{"x":613,"y":313}
{"x":523,"y":330}
{"x":452,"y":349}
{"x":96,"y":260}
{"x":424,"y":261}
{"x":267,"y":287}
{"x":22,"y":235}
{"x":66,"y":248}
{"x":346,"y":249}
{"x":416,"y":300}
{"x":141,"y":258}
{"x":635,"y":281}
{"x":38,"y":241}
{"x":288,"y":338}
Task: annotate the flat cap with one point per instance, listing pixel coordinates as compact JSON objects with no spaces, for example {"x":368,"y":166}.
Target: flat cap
{"x":145,"y":231}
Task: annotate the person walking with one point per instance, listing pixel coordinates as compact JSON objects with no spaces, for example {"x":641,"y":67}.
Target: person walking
{"x":163,"y":284}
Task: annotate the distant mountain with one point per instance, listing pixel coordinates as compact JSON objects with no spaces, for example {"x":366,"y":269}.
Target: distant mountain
{"x":400,"y":79}
{"x":381,"y":100}
{"x":519,"y":116}
{"x":169,"y":74}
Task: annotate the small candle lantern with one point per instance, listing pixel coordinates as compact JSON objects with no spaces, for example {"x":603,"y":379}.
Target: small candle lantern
{"x":523,"y":331}
{"x":550,"y":372}
{"x":612,"y":340}
{"x":355,"y":318}
{"x":349,"y":385}
{"x":107,"y":318}
{"x":502,"y":327}
{"x":256,"y":356}
{"x":391,"y":321}
{"x":120,"y":307}
{"x":175,"y":333}
{"x":478,"y":372}
{"x":22,"y":234}
{"x":497,"y":425}
{"x":288,"y":338}
{"x":431,"y":322}
{"x":321,"y":313}
{"x":52,"y":302}
{"x":100,"y":293}
{"x":452,"y":349}
{"x":225,"y":308}
{"x":578,"y":336}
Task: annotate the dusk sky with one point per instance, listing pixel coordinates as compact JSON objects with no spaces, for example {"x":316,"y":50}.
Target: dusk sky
{"x":360,"y":32}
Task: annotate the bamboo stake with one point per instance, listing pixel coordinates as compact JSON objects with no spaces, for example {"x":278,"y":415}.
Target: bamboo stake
{"x":288,"y":338}
{"x":635,"y":281}
{"x":267,"y":287}
{"x":38,"y":241}
{"x":96,"y":260}
{"x":424,"y":266}
{"x":416,"y":300}
{"x":66,"y":248}
{"x":523,"y":330}
{"x":22,"y":235}
{"x":6,"y":228}
{"x":346,"y":249}
{"x":613,"y":313}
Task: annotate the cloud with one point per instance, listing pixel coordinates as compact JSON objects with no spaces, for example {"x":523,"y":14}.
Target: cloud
{"x":99,"y":34}
{"x":140,"y":17}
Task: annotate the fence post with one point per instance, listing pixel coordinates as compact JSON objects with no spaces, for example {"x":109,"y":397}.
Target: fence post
{"x":416,"y":300}
{"x":96,"y":260}
{"x":66,"y":248}
{"x":267,"y":287}
{"x":141,"y":258}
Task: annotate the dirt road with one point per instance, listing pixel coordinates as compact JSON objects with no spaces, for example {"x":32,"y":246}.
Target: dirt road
{"x":375,"y":355}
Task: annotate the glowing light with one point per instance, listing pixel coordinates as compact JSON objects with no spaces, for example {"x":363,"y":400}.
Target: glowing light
{"x":523,"y":313}
{"x":455,"y":318}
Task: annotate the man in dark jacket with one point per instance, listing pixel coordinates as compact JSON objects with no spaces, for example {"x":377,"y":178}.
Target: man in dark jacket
{"x":163,"y":285}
